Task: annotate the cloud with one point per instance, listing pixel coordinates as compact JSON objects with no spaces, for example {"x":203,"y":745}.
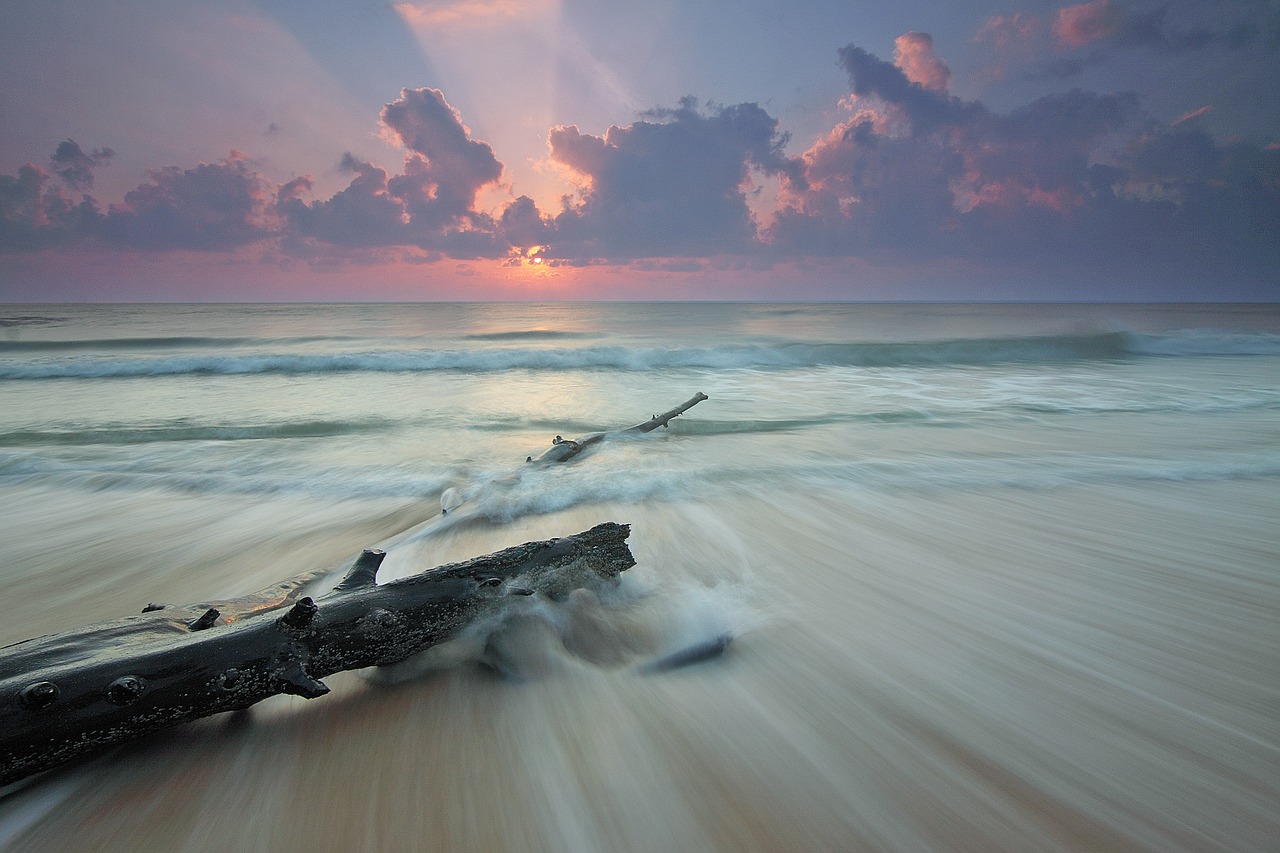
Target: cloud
{"x":1050,"y":142}
{"x":1085,"y":23}
{"x":1122,"y":25}
{"x":523,"y":225}
{"x":21,"y":197}
{"x":911,"y":175}
{"x":364,"y":213}
{"x":1194,"y":114}
{"x":430,"y":205}
{"x":38,"y":212}
{"x":671,"y":184}
{"x":1013,"y":42}
{"x":1005,"y":31}
{"x":869,"y":193}
{"x":913,"y":53}
{"x":916,"y":176}
{"x":1177,"y":155}
{"x":449,"y":162}
{"x":75,"y":167}
{"x":925,"y":109}
{"x":35,"y":214}
{"x":1090,"y":33}
{"x":472,"y":13}
{"x":211,"y":207}
{"x":1075,"y":37}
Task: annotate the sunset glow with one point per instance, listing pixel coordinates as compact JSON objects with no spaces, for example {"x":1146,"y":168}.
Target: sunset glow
{"x":1054,"y":150}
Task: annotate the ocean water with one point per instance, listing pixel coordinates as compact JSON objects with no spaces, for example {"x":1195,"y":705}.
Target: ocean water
{"x":997,"y":577}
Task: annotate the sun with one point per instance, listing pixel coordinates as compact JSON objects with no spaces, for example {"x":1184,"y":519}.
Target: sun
{"x":535,"y":257}
{"x":532,"y":265}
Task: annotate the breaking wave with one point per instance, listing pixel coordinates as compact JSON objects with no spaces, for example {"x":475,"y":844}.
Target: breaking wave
{"x":529,"y":335}
{"x":189,"y":432}
{"x":786,"y":355}
{"x":502,"y":497}
{"x":198,"y":342}
{"x":135,"y":473}
{"x":120,"y":343}
{"x":29,"y":320}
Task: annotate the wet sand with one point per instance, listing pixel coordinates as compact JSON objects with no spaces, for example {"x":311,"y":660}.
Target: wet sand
{"x":1086,"y":668}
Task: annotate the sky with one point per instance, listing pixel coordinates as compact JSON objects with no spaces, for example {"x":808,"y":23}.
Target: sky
{"x":673,"y":149}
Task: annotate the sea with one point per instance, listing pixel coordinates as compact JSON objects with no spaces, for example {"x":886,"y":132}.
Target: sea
{"x":987,"y":577}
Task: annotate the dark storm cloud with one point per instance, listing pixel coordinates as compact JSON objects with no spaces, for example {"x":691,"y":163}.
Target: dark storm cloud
{"x":213,"y":206}
{"x":1075,"y":178}
{"x":35,"y":213}
{"x":449,"y":160}
{"x":1083,"y":35}
{"x":1124,"y":25}
{"x":23,"y":223}
{"x":523,"y":225}
{"x":365,"y":213}
{"x":1050,"y":142}
{"x":1176,"y":154}
{"x":902,"y":178}
{"x":430,"y":205}
{"x":926,"y":108}
{"x":672,"y":183}
{"x":76,"y":167}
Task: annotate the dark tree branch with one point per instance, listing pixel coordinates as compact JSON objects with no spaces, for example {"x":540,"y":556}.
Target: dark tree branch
{"x":564,"y":449}
{"x":65,"y":695}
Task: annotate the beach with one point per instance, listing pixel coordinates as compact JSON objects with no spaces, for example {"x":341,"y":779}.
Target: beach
{"x":997,"y":576}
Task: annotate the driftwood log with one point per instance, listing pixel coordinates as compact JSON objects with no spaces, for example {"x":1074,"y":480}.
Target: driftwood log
{"x":66,"y":695}
{"x":564,"y":449}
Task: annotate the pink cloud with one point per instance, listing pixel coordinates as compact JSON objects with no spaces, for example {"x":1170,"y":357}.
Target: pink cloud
{"x":1085,"y":23}
{"x":473,"y":13}
{"x":1193,"y":114}
{"x":1006,"y":31}
{"x":1015,"y":41}
{"x":454,"y":164}
{"x":430,"y":205}
{"x":913,"y":53}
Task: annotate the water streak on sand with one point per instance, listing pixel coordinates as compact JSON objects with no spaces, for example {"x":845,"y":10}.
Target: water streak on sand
{"x":996,"y":577}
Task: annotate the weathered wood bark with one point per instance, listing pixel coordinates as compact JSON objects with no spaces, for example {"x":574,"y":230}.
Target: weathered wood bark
{"x":68,"y":694}
{"x":565,"y":449}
